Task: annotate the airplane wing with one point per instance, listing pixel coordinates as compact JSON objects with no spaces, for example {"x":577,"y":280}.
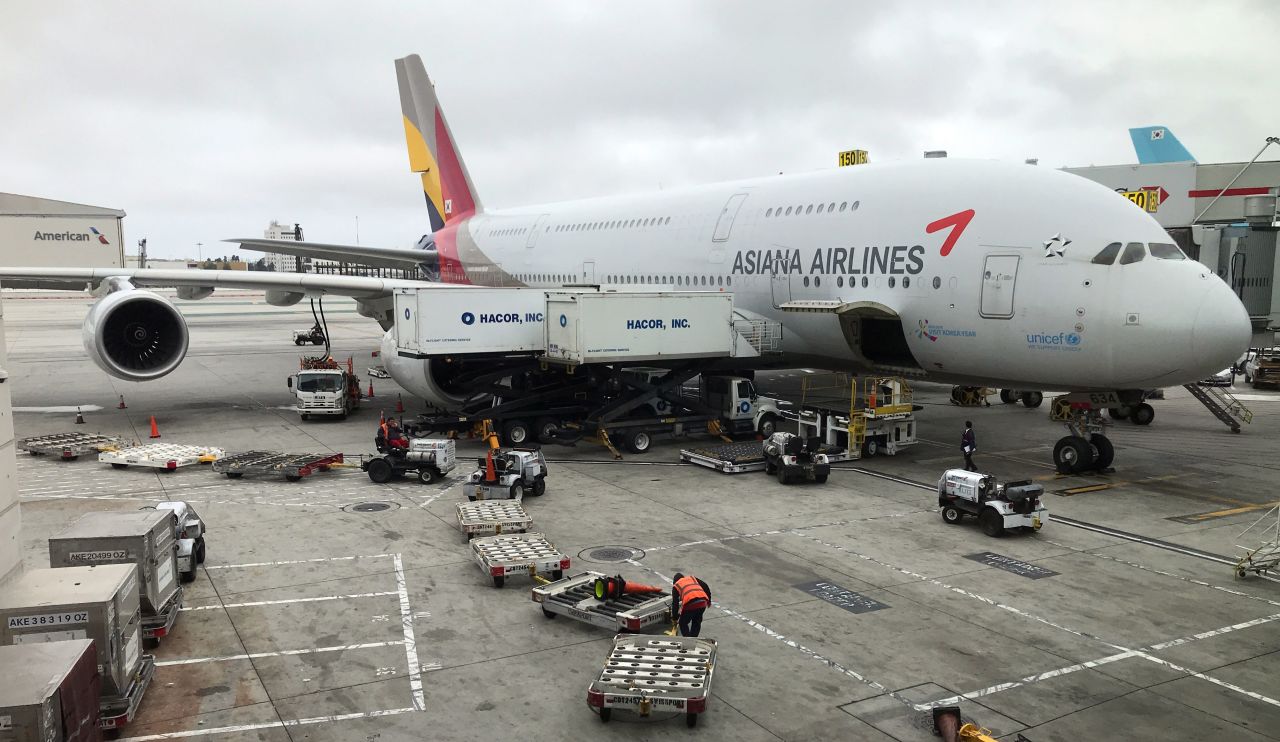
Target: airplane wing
{"x":381,"y":257}
{"x":360,"y":287}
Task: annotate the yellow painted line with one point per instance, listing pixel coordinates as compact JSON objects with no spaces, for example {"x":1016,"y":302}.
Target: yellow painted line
{"x":1229,"y":511}
{"x":1090,"y":488}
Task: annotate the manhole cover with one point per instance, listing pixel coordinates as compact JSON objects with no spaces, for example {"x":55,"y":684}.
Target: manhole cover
{"x":610,"y":554}
{"x":370,"y":507}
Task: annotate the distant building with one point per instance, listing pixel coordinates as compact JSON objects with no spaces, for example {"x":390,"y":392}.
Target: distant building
{"x":274,"y":261}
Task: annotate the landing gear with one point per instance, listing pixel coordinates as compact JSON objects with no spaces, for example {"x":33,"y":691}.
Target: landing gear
{"x":1143,"y":414}
{"x":1032,"y":399}
{"x":1072,"y":455}
{"x":1087,"y":448}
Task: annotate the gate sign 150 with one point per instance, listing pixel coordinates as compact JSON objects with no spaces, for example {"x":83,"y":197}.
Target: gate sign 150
{"x":852,"y":157}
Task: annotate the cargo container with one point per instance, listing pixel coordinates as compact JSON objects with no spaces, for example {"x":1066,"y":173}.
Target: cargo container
{"x":143,"y":538}
{"x":50,"y":692}
{"x":99,"y":603}
{"x":646,"y":326}
{"x":443,"y":321}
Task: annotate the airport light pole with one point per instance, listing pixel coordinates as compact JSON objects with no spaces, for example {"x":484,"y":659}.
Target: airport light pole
{"x":199,"y":257}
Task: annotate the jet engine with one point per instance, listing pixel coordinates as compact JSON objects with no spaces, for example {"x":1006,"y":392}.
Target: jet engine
{"x":429,"y":378}
{"x":135,"y":335}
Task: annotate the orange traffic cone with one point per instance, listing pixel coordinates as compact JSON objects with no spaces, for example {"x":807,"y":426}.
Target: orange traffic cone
{"x":399,"y":404}
{"x":155,"y":429}
{"x":489,"y":474}
{"x":370,"y":395}
{"x":79,"y":417}
{"x":122,"y":405}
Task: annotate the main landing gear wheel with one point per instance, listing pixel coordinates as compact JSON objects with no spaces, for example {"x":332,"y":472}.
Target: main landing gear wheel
{"x":1143,"y":414}
{"x":1104,"y":452}
{"x":951,"y":514}
{"x":1007,"y":396}
{"x":1118,"y":413}
{"x":1032,"y":399}
{"x":1072,"y":454}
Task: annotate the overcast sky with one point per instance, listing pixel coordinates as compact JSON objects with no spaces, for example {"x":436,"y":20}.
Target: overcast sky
{"x":206,"y":121}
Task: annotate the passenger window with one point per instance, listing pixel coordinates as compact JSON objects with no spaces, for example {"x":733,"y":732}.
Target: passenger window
{"x":1166,"y":251}
{"x":809,"y":210}
{"x":843,"y":205}
{"x":831,"y":207}
{"x":768,"y":213}
{"x":788,"y":211}
{"x":1133,"y":252}
{"x":840,"y":282}
{"x":1108,"y":254}
{"x":820,"y":208}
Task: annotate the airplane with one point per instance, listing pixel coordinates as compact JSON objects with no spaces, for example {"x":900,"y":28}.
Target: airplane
{"x":1157,"y":144}
{"x":974,"y":273}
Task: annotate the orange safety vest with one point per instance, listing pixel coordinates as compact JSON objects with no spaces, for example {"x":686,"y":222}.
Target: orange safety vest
{"x":692,"y":596}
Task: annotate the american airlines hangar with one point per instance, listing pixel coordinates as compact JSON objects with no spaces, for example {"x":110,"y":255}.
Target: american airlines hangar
{"x":44,"y":232}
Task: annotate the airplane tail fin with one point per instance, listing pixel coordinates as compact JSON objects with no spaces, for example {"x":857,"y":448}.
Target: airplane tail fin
{"x":1156,"y":144}
{"x":432,"y":151}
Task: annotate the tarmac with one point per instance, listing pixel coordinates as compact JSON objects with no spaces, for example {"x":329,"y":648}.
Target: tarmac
{"x":842,"y":611}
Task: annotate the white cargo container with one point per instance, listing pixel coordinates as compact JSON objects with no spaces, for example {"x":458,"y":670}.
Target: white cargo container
{"x":441,"y":321}
{"x":621,"y":327}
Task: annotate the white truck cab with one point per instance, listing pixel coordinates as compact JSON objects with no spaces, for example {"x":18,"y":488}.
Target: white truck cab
{"x":740,"y":405}
{"x":325,"y":391}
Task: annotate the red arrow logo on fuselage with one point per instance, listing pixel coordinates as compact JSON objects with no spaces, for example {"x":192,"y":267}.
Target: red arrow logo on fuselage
{"x":957,"y":221}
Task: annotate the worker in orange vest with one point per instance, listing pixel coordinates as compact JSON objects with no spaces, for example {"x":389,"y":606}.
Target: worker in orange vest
{"x":689,"y":600}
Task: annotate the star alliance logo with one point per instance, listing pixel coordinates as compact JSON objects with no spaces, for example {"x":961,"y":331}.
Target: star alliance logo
{"x":1055,"y":245}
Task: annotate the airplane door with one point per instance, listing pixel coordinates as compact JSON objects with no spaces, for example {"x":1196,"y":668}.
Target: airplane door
{"x":998,"y":278}
{"x":537,"y":229}
{"x":780,"y":286}
{"x":589,"y":271}
{"x":730,"y":212}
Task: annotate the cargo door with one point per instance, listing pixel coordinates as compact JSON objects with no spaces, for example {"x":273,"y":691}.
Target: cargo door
{"x":537,"y":229}
{"x":998,"y":278}
{"x":406,"y":328}
{"x":730,"y":212}
{"x":589,"y":271}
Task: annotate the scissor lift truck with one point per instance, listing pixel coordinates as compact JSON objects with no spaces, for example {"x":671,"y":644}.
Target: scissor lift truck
{"x":648,"y":673}
{"x":165,"y":457}
{"x":518,"y":553}
{"x":516,"y":472}
{"x":492,"y":517}
{"x":575,"y":597}
{"x":998,"y":507}
{"x":70,"y":446}
{"x":293,"y":466}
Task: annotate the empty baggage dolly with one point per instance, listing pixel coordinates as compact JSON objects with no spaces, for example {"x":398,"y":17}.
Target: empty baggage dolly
{"x":644,"y":673}
{"x":70,"y":446}
{"x":492,"y":517}
{"x":518,"y":553}
{"x":293,"y":466}
{"x":162,"y":456}
{"x":575,"y":597}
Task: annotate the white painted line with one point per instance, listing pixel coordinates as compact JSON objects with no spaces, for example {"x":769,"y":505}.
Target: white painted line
{"x":779,"y":531}
{"x":976,"y":694}
{"x":1214,"y":632}
{"x":295,"y":561}
{"x":410,"y":641}
{"x":1215,"y":681}
{"x":289,"y":600}
{"x":281,"y":653}
{"x":267,"y":725}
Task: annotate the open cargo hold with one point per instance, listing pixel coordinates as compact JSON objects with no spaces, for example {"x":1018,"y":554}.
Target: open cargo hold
{"x":50,"y":692}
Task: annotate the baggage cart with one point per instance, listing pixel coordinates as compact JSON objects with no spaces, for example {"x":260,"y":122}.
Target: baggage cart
{"x":518,"y":553}
{"x":99,"y":603}
{"x":730,"y":458}
{"x":70,"y":446}
{"x":575,"y":597}
{"x":51,"y":692}
{"x":292,"y":466}
{"x":648,"y":673}
{"x":492,"y":517}
{"x":166,"y":457}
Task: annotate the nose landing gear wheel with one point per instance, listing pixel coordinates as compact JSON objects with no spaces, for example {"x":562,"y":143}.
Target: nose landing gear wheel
{"x":1072,"y":454}
{"x":1104,"y":452}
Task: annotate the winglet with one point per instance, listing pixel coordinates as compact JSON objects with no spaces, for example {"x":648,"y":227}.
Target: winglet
{"x":1156,"y":144}
{"x":432,"y":152}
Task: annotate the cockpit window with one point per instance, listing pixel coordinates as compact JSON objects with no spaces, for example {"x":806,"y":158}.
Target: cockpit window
{"x":1133,"y":252}
{"x":1108,"y":254}
{"x":1166,"y":251}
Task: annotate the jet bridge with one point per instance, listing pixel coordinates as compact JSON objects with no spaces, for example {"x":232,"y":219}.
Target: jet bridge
{"x":579,"y":325}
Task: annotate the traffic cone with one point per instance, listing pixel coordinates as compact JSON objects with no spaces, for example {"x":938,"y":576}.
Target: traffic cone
{"x":155,"y":429}
{"x":122,"y":405}
{"x":370,"y":395}
{"x":79,"y":417}
{"x":399,"y":404}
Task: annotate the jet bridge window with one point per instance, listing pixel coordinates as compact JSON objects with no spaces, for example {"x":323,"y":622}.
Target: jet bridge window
{"x":1133,"y":252}
{"x":1108,"y":254}
{"x":1166,"y":251}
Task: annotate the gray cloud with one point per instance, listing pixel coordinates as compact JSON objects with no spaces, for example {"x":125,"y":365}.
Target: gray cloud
{"x":205,"y":122}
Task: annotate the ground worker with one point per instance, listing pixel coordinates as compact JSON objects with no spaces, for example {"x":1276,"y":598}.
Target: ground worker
{"x":690,"y":597}
{"x":968,"y":444}
{"x":395,"y":436}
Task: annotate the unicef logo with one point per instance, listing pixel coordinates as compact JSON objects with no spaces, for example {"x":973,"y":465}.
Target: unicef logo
{"x":744,"y":406}
{"x":468,"y":318}
{"x":564,"y":321}
{"x":1073,"y":338}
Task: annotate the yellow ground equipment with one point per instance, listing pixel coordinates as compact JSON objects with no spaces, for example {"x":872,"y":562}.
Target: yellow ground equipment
{"x":971,"y":396}
{"x":948,"y":725}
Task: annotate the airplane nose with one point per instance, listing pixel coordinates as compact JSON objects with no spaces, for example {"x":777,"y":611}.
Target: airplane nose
{"x":1221,"y":331}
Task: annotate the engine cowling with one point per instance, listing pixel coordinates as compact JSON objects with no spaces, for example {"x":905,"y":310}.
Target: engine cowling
{"x":425,"y":378}
{"x":135,"y":335}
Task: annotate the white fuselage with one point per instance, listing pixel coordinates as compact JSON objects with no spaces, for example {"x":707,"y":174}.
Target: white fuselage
{"x":1015,"y":301}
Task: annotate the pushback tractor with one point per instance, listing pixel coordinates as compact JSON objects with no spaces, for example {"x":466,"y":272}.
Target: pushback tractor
{"x":998,"y":507}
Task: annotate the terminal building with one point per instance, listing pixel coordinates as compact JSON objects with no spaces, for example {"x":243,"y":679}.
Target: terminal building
{"x":1222,"y":214}
{"x":42,"y":232}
